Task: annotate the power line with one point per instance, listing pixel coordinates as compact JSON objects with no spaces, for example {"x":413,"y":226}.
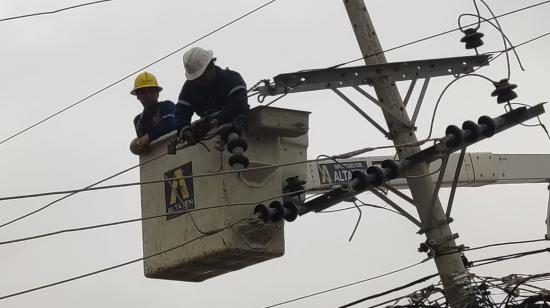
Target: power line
{"x":439,"y":34}
{"x":121,"y":264}
{"x":74,"y":192}
{"x":508,"y":257}
{"x":347,"y":285}
{"x":410,"y":284}
{"x":476,"y":75}
{"x":122,"y":222}
{"x":54,"y":11}
{"x":135,"y":72}
{"x":94,"y":187}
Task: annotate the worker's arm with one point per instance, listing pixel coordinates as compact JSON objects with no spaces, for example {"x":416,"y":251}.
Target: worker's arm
{"x":184,"y":109}
{"x":167,"y":111}
{"x":237,"y":99}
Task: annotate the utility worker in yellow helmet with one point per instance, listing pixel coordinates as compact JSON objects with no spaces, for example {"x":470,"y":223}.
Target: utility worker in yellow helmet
{"x":157,"y":118}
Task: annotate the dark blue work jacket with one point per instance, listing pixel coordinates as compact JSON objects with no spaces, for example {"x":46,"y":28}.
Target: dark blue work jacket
{"x":156,"y":121}
{"x":226,"y":94}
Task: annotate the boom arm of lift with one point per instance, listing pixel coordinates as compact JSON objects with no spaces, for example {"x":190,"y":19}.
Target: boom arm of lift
{"x":478,"y":169}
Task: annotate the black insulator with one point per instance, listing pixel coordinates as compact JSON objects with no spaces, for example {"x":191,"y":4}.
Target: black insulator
{"x":293,"y":184}
{"x":504,"y":91}
{"x":376,"y":176}
{"x":263,"y":212}
{"x":290,"y":211}
{"x":237,"y":143}
{"x":392,"y":168}
{"x":457,"y":136}
{"x":228,"y":130}
{"x":487,"y":125}
{"x":472,"y":132}
{"x":278,"y":211}
{"x":238,"y":161}
{"x":362,"y":181}
{"x":472,"y":38}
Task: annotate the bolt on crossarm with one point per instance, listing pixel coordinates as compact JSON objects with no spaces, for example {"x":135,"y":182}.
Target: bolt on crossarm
{"x":450,"y":266}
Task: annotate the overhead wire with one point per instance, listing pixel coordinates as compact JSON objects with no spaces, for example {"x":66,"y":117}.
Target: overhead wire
{"x":54,"y":11}
{"x":508,"y":108}
{"x":438,"y":34}
{"x":487,"y":261}
{"x":136,"y":71}
{"x":227,"y":24}
{"x":74,"y":192}
{"x":213,"y":232}
{"x":93,"y":187}
{"x":410,"y":284}
{"x":127,"y":221}
{"x":347,"y":285}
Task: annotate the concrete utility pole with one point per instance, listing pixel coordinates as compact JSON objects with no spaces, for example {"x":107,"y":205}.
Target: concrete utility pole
{"x":451,"y":268}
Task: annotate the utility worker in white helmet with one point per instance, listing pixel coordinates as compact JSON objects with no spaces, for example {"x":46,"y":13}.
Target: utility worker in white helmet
{"x":157,"y":118}
{"x":217,"y":95}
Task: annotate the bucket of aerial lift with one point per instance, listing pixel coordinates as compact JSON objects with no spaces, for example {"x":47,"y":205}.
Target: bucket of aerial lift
{"x":189,"y":235}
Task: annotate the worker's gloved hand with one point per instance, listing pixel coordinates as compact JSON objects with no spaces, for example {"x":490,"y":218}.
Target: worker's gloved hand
{"x":203,"y":126}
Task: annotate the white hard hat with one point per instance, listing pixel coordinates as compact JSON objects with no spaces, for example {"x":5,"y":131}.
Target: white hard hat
{"x":195,"y":61}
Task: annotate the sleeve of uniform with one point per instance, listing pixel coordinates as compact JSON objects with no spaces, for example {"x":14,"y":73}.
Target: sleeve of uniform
{"x":168,"y":122}
{"x":184,"y":110}
{"x":136,"y":122}
{"x":237,"y":98}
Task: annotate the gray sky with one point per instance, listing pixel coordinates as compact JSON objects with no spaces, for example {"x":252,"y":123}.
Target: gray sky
{"x":49,"y":62}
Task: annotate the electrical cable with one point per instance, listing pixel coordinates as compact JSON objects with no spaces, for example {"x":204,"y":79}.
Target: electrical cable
{"x":508,"y":257}
{"x":136,"y":71}
{"x":95,"y":187}
{"x":506,"y":49}
{"x":445,"y":90}
{"x":121,"y":222}
{"x":410,"y":284}
{"x":54,"y":11}
{"x":346,"y":285}
{"x":74,"y":192}
{"x":438,"y":35}
{"x":121,"y":264}
{"x":361,"y":205}
{"x":509,"y":105}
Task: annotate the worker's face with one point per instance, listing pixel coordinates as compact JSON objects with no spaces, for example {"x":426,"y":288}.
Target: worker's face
{"x":148,"y":97}
{"x":208,"y":76}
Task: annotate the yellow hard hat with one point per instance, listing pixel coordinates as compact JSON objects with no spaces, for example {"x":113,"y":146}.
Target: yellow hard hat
{"x":145,"y":80}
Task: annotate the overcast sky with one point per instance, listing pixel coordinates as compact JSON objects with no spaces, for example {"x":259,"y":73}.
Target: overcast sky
{"x":49,"y":62}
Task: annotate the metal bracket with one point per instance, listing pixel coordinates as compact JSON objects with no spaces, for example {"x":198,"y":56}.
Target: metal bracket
{"x":331,"y":78}
{"x":548,"y":218}
{"x":437,"y":225}
{"x":435,"y":193}
{"x":441,"y":241}
{"x":420,"y":99}
{"x":397,"y":207}
{"x":364,"y":114}
{"x":399,"y":194}
{"x":455,"y":182}
{"x":384,"y":107}
{"x":410,"y":91}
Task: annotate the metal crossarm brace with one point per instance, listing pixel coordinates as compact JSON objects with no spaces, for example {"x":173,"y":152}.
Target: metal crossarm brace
{"x":455,"y":182}
{"x":397,"y":207}
{"x":361,"y":112}
{"x":420,"y":99}
{"x":435,"y":193}
{"x":399,"y":194}
{"x":374,"y":100}
{"x":548,"y":218}
{"x":409,"y":91}
{"x":332,"y":78}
